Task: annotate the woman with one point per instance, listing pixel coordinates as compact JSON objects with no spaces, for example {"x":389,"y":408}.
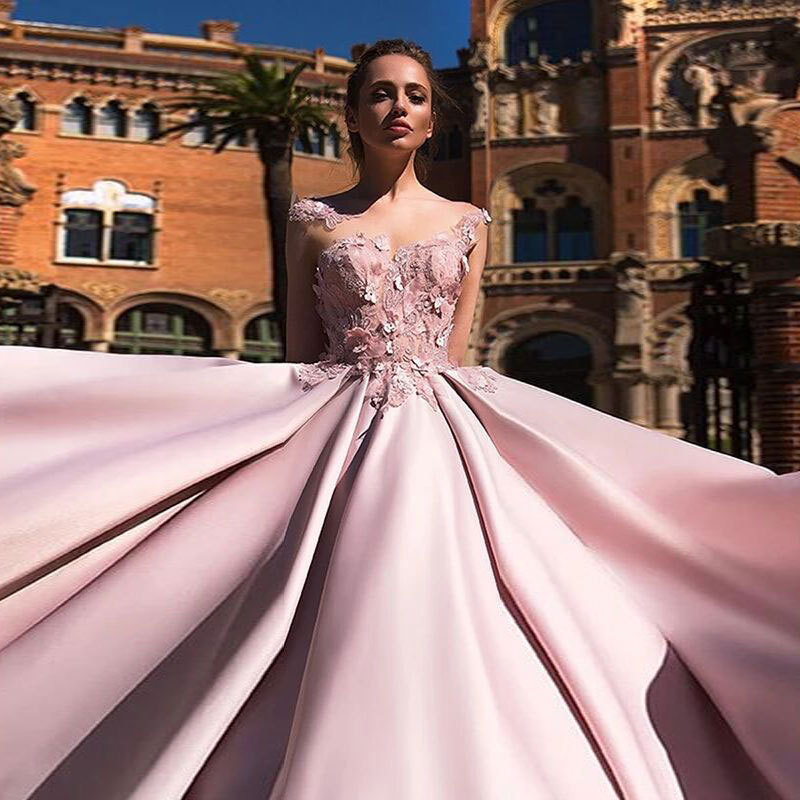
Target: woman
{"x":372,"y":572}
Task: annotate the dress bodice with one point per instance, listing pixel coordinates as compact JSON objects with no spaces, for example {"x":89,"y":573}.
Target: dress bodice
{"x":389,"y":315}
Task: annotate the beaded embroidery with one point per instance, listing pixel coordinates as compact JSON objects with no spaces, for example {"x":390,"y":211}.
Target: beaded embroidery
{"x":390,"y":316}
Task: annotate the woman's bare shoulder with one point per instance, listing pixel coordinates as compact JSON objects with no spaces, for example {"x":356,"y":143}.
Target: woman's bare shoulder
{"x":454,"y":208}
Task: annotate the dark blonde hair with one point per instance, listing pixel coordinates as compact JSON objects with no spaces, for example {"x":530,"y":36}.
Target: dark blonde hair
{"x":440,"y":100}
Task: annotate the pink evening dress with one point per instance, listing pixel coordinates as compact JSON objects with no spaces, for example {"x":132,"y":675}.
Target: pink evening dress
{"x":381,"y":575}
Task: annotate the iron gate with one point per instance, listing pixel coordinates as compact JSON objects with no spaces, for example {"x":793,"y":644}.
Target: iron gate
{"x":720,"y":402}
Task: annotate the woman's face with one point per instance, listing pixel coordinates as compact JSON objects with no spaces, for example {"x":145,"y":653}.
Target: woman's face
{"x":395,"y":90}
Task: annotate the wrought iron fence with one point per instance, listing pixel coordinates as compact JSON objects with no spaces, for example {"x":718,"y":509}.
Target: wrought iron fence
{"x":721,"y":400}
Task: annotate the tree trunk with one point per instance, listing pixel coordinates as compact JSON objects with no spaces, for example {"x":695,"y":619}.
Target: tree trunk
{"x":275,"y":154}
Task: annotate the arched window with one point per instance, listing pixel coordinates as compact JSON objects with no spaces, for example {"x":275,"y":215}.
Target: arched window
{"x":83,"y":233}
{"x":146,"y":122}
{"x":108,"y":224}
{"x":558,"y":29}
{"x":111,"y":120}
{"x":77,"y":117}
{"x":27,"y":122}
{"x":262,"y":340}
{"x":574,"y":239}
{"x":161,"y":328}
{"x":695,"y":218}
{"x":557,"y":361}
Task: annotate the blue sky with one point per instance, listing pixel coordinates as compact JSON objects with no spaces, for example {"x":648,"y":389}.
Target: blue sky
{"x":440,"y":27}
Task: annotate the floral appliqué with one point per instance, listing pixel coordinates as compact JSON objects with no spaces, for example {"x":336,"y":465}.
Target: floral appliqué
{"x":390,"y":316}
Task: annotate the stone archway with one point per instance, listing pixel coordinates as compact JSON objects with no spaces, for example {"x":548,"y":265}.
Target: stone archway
{"x":527,"y":180}
{"x":556,"y":360}
{"x":222,"y":328}
{"x":511,"y":327}
{"x":674,"y":185}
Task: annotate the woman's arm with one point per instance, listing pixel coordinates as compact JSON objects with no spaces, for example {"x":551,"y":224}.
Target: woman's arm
{"x":305,"y":337}
{"x":465,"y":306}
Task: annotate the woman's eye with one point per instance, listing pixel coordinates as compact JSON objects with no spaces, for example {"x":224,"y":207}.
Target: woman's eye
{"x":417,"y":98}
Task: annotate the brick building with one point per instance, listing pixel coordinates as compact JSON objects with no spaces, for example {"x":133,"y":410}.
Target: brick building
{"x":605,"y":139}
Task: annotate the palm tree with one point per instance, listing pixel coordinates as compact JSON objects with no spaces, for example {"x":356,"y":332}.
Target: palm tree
{"x":262,"y":102}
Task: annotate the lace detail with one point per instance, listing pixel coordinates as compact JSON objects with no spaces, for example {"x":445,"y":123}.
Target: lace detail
{"x":479,"y":377}
{"x":390,"y":316}
{"x":307,"y":210}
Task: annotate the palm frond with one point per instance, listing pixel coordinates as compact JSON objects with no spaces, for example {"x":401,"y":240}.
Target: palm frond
{"x":258,"y":100}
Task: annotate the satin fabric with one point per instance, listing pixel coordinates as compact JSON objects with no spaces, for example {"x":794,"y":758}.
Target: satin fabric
{"x":217,"y":585}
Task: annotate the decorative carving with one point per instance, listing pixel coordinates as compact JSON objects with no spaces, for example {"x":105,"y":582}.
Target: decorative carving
{"x":477,"y":60}
{"x":703,"y":78}
{"x":232,"y":299}
{"x":10,"y":112}
{"x":633,"y":305}
{"x":547,"y":104}
{"x":20,"y":280}
{"x":14,"y":188}
{"x":506,"y":115}
{"x":108,"y":194}
{"x":748,"y":240}
{"x":625,"y":23}
{"x":480,"y":87}
{"x":106,"y":293}
{"x":688,"y":83}
{"x":683,"y":12}
{"x":741,"y":130}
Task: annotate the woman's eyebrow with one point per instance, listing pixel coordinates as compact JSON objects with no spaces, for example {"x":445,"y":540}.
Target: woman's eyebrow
{"x":411,"y":84}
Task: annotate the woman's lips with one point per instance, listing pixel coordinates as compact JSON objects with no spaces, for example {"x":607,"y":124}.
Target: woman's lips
{"x":399,"y":129}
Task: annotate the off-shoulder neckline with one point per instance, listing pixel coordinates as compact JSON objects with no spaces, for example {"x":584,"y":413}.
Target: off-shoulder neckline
{"x":344,"y":215}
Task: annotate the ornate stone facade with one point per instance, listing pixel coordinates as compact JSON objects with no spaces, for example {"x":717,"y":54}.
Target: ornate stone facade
{"x":604,"y":171}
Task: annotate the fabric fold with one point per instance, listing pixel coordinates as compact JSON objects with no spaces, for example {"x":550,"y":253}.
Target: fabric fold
{"x":221,"y":583}
{"x":706,"y":544}
{"x":122,"y":434}
{"x":91,"y":673}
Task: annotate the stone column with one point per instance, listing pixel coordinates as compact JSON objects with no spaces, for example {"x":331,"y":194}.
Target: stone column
{"x":668,"y":406}
{"x":633,"y":306}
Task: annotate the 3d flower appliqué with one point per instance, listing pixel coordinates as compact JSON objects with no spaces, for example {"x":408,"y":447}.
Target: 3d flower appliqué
{"x":388,"y":318}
